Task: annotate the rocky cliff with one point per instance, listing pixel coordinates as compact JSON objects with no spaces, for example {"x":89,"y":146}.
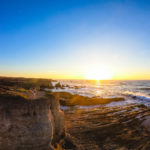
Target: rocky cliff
{"x":27,"y":124}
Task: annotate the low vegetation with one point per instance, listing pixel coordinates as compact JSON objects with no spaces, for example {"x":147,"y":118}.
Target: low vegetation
{"x":67,"y":99}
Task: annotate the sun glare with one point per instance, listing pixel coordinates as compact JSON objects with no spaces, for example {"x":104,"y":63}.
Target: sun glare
{"x":99,"y":73}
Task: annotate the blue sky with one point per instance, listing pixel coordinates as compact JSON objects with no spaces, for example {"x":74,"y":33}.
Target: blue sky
{"x":64,"y":38}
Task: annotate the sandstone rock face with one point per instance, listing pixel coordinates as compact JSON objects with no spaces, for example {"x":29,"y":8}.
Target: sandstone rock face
{"x":29,"y":124}
{"x":58,"y":121}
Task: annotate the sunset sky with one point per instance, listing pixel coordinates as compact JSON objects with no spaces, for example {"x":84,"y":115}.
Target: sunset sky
{"x":68,"y":38}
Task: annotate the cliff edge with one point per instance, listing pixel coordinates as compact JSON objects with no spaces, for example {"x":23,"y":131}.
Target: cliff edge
{"x":30,"y":124}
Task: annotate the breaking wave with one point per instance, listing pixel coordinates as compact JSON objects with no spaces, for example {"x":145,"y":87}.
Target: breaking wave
{"x":137,"y":95}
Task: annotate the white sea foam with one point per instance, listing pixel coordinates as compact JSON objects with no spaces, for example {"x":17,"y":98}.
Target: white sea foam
{"x":120,"y":103}
{"x":132,"y":91}
{"x":54,"y":83}
{"x":138,"y":95}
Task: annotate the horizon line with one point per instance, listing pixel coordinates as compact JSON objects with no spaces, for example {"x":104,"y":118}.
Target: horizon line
{"x":74,"y":78}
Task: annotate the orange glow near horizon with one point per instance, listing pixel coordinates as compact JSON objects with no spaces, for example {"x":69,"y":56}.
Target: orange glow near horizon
{"x":92,"y":73}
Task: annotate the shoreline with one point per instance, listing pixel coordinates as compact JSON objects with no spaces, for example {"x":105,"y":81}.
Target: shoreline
{"x":90,"y":123}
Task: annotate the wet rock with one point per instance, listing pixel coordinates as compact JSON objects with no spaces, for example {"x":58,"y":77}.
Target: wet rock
{"x":77,"y":87}
{"x":58,"y":85}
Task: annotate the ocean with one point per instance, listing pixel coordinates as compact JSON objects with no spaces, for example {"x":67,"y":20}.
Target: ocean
{"x":133,"y":91}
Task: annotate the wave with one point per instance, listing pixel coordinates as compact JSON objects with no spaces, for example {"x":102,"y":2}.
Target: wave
{"x":145,"y":89}
{"x":137,"y":95}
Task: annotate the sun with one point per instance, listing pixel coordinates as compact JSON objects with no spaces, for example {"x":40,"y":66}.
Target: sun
{"x":99,"y":73}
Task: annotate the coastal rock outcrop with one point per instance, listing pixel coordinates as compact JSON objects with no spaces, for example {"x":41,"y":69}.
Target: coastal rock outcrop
{"x":30,"y":124}
{"x":57,"y":120}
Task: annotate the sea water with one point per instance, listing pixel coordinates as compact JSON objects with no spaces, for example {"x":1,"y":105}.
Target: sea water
{"x":134,"y":91}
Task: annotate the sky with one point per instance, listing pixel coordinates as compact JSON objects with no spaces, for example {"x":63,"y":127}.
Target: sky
{"x":66,"y":38}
